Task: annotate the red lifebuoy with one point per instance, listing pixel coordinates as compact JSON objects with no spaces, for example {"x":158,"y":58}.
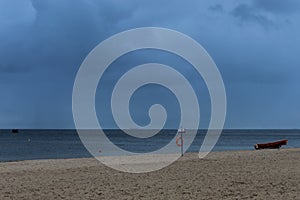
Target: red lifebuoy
{"x":181,"y":141}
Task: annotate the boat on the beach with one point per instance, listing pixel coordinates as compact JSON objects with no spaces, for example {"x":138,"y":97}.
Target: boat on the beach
{"x":271,"y":145}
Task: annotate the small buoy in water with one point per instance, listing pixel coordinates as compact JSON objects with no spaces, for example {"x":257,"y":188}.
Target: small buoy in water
{"x":28,"y":139}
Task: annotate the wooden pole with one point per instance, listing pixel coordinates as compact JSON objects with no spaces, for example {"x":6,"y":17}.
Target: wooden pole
{"x":181,"y":136}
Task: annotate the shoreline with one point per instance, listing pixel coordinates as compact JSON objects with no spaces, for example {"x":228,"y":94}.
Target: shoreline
{"x":187,"y":153}
{"x":258,"y":174}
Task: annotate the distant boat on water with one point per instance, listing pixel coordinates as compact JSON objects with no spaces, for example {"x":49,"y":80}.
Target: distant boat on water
{"x":271,"y":145}
{"x":15,"y":131}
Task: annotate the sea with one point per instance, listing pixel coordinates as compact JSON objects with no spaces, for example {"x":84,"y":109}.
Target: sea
{"x":55,"y":144}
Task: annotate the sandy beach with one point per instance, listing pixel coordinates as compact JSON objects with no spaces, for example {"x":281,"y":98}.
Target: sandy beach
{"x":262,"y":174}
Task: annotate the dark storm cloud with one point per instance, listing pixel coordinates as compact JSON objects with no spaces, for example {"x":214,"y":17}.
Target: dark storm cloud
{"x":61,"y":32}
{"x":254,"y":47}
{"x":48,"y":39}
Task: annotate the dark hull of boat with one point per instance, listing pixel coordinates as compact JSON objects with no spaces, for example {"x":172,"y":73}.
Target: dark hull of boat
{"x":15,"y":131}
{"x":271,"y":145}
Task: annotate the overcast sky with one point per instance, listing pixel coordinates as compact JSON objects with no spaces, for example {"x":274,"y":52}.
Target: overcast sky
{"x":255,"y":44}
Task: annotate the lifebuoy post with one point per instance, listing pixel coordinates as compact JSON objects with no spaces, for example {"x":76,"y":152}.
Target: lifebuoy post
{"x":181,"y":136}
{"x":179,"y":139}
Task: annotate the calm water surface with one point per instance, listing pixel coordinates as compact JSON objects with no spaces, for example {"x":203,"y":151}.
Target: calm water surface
{"x":52,"y":144}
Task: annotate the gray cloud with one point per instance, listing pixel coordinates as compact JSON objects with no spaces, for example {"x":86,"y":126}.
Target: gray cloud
{"x":269,"y":14}
{"x":278,"y":6}
{"x":13,"y":69}
{"x":247,"y":13}
{"x":216,"y":8}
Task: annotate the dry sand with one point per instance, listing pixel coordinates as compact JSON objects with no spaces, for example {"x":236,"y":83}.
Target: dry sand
{"x":263,"y":174}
